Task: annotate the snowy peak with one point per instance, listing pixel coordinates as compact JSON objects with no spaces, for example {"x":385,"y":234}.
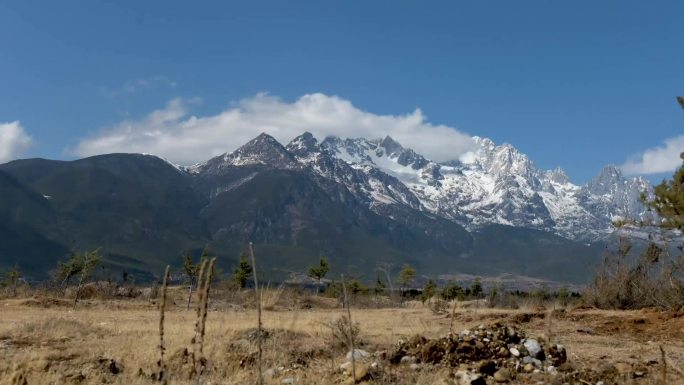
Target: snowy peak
{"x":493,"y":184}
{"x":606,"y":181}
{"x":303,"y":145}
{"x":262,"y":150}
{"x":391,"y":146}
{"x":557,"y":175}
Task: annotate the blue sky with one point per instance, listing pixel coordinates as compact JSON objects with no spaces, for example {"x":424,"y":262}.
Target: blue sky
{"x":573,"y":84}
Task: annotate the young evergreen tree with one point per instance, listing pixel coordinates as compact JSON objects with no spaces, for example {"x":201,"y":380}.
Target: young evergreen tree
{"x":11,"y":279}
{"x":242,"y":272}
{"x":406,"y":277}
{"x":668,"y":201}
{"x":476,"y":288}
{"x":429,"y":291}
{"x":190,"y":271}
{"x":319,"y":272}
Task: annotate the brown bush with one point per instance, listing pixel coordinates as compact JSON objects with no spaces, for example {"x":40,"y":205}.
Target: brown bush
{"x":654,"y":279}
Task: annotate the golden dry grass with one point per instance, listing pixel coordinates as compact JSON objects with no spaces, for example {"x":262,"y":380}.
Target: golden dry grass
{"x":116,"y":341}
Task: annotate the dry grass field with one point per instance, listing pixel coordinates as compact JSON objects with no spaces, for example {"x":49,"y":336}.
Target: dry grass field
{"x":48,"y":341}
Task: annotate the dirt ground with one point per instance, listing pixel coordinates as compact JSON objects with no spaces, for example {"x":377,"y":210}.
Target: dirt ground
{"x":48,"y":341}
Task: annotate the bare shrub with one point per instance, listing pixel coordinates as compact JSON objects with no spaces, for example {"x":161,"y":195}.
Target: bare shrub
{"x":654,"y":279}
{"x":343,"y":331}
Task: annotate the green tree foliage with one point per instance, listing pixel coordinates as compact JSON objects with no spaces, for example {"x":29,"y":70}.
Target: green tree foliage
{"x":406,"y":276}
{"x":77,"y":264}
{"x":668,"y":199}
{"x":357,"y":287}
{"x":89,"y":261}
{"x":189,"y":269}
{"x":11,"y":279}
{"x":319,"y":272}
{"x":429,"y":291}
{"x":680,"y":100}
{"x":242,"y":272}
{"x":476,"y":288}
{"x":452,"y":291}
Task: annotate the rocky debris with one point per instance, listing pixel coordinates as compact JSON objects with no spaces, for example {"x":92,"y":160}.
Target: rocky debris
{"x":498,"y":353}
{"x":494,"y":346}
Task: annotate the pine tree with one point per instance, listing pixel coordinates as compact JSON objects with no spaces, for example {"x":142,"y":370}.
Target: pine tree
{"x":476,"y":288}
{"x":319,"y":272}
{"x":429,"y":291}
{"x":406,"y":276}
{"x":668,"y":199}
{"x":242,"y":272}
{"x":190,"y":272}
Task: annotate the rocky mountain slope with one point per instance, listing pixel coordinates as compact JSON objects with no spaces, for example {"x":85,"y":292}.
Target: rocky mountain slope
{"x":495,"y":184}
{"x":363,"y":203}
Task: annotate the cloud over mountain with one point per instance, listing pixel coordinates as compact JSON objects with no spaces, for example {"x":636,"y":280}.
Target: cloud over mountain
{"x":173,"y":133}
{"x":13,"y":141}
{"x":658,"y":159}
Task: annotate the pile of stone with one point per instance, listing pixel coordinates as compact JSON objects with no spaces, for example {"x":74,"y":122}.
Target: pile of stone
{"x":494,"y":351}
{"x":488,"y":354}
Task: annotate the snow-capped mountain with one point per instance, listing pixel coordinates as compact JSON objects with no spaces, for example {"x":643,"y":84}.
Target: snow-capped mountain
{"x":494,"y":184}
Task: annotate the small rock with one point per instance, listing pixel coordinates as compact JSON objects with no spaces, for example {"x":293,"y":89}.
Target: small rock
{"x":502,"y":375}
{"x":515,"y":352}
{"x":288,"y":381}
{"x":345,"y":367}
{"x":487,"y":367}
{"x":464,"y":377}
{"x":359,"y":354}
{"x":416,"y":367}
{"x":528,"y":368}
{"x":503,"y":352}
{"x":269,"y":373}
{"x":361,"y":371}
{"x":529,"y":360}
{"x":408,"y":360}
{"x":532,"y":347}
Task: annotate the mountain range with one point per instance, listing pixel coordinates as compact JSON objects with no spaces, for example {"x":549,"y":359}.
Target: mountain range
{"x":364,"y":203}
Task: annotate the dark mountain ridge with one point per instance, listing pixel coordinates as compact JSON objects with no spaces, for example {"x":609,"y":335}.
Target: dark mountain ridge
{"x":295,"y":202}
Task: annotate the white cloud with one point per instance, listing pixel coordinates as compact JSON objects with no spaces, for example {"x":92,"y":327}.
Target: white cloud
{"x":173,"y":134}
{"x":658,"y":159}
{"x":13,"y":141}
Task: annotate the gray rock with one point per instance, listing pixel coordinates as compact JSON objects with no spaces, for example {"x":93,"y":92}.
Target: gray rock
{"x":532,"y":347}
{"x":359,"y":354}
{"x":289,"y":381}
{"x":269,"y":373}
{"x":408,"y":360}
{"x":533,"y":361}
